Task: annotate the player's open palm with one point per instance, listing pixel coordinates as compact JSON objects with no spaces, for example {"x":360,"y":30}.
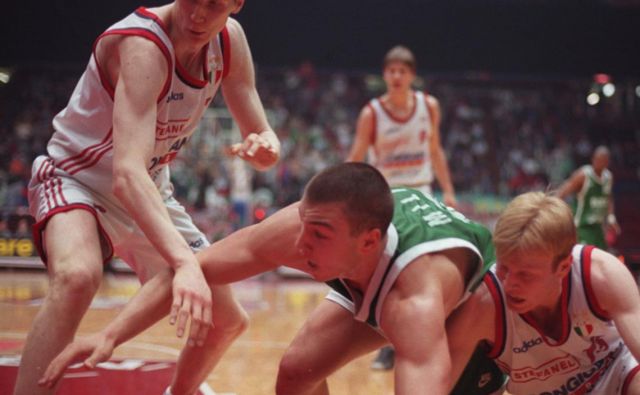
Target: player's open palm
{"x":191,"y":298}
{"x":89,"y":350}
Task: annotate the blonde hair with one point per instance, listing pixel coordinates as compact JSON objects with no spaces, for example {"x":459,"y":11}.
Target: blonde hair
{"x":400,"y":54}
{"x":535,"y":221}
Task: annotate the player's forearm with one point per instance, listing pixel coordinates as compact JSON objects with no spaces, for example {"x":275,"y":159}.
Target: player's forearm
{"x":426,"y":377}
{"x":148,"y":306}
{"x":140,"y":197}
{"x":441,"y":169}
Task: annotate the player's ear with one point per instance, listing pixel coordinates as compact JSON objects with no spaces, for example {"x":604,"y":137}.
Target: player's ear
{"x":370,"y":239}
{"x":238,"y":6}
{"x":564,"y":266}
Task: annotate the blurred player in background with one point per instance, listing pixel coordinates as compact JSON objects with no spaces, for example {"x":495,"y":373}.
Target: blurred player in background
{"x":593,"y":184}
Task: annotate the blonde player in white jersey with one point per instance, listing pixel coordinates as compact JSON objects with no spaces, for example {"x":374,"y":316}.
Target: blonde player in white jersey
{"x":557,"y":317}
{"x":401,"y":132}
{"x":103,"y":186}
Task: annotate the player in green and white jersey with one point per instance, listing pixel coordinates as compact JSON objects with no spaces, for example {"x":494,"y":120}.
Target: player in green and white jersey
{"x":592,"y":184}
{"x":403,"y":262}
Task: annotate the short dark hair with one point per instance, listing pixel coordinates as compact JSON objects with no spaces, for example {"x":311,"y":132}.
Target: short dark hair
{"x":400,"y":54}
{"x":367,"y":199}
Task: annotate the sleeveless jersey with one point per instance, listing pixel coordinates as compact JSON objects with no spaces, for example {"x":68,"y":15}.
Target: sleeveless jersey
{"x":82,"y":143}
{"x":400,"y":148}
{"x":593,"y":199}
{"x":420,"y":225}
{"x":585,"y":357}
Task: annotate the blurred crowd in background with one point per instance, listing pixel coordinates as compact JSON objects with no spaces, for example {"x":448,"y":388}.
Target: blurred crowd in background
{"x":503,"y":135}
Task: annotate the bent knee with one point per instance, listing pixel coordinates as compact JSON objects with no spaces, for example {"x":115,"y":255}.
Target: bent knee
{"x":233,"y":323}
{"x":294,"y":376}
{"x":77,"y":280}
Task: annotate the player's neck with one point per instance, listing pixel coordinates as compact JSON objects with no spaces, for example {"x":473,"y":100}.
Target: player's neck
{"x":548,"y":315}
{"x":361,"y":276}
{"x":399,"y":100}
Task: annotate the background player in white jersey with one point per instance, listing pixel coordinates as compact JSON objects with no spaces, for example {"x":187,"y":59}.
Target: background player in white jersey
{"x":594,"y":209}
{"x":557,"y":317}
{"x":421,"y":269}
{"x":104,"y":187}
{"x":401,"y":132}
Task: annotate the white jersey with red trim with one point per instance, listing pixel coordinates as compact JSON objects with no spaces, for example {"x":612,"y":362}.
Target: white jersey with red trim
{"x":400,"y":147}
{"x":82,"y":144}
{"x":590,"y":357}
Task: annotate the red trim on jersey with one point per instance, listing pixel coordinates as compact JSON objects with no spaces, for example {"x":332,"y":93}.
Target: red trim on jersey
{"x":38,"y":228}
{"x":87,"y":154}
{"x":139,"y":32}
{"x":226,"y":52}
{"x":100,"y":154}
{"x":146,"y":13}
{"x":51,"y":186}
{"x":187,"y":78}
{"x":59,"y":182}
{"x":500,"y":325}
{"x":585,"y":261}
{"x":564,"y":306}
{"x":396,"y":118}
{"x":627,"y":380}
{"x":374,"y":135}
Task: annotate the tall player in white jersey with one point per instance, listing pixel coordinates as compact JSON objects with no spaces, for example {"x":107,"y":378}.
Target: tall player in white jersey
{"x":103,"y":186}
{"x":557,"y":317}
{"x":400,"y":131}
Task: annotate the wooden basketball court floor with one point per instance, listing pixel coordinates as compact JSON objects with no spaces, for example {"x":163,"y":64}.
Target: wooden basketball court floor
{"x":277,"y":307}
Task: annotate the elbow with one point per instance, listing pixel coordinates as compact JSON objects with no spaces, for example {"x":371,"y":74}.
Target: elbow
{"x":123,"y":178}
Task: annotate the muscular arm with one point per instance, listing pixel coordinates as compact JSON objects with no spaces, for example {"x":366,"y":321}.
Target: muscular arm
{"x":572,"y":185}
{"x":438,"y":156}
{"x":243,"y":101}
{"x":139,"y":77}
{"x":143,"y":70}
{"x":617,"y":293}
{"x":364,"y":135}
{"x":413,"y":318}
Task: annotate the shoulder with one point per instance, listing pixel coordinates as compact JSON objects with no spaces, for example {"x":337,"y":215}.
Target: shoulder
{"x":608,"y":278}
{"x":431,"y":101}
{"x":235,"y":30}
{"x":367,"y":110}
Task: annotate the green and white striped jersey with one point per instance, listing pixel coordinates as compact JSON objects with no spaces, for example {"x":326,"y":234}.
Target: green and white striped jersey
{"x":420,"y":225}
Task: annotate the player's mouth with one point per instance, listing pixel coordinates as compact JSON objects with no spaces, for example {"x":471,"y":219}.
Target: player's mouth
{"x":514,"y":301}
{"x":197,"y":33}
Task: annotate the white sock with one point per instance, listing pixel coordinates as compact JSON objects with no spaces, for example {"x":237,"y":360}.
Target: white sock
{"x":167,"y":391}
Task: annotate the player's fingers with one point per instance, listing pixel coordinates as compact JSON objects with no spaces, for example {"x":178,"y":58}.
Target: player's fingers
{"x":98,"y":355}
{"x":196,"y":323}
{"x":175,"y":307}
{"x":206,"y":325}
{"x":233,"y":149}
{"x":183,"y":316}
{"x":56,"y":368}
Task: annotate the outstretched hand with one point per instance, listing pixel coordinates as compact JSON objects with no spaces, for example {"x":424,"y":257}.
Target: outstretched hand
{"x":88,"y":350}
{"x":191,"y":298}
{"x":261,"y":150}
